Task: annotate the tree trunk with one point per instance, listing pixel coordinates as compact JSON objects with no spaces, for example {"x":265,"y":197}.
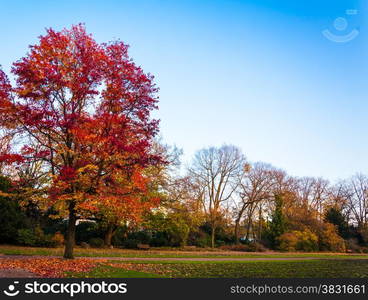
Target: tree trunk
{"x":248,"y":229}
{"x":260,"y":224}
{"x":237,"y":223}
{"x":237,"y":231}
{"x":249,"y":221}
{"x":70,"y":235}
{"x":213,"y":237}
{"x":109,"y":234}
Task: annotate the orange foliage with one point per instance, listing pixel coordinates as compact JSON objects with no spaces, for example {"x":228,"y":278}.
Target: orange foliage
{"x":49,"y":267}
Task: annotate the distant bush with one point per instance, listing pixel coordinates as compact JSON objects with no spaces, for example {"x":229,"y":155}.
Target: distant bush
{"x":220,"y":243}
{"x":203,"y":242}
{"x":85,"y":245}
{"x":119,"y":236}
{"x":87,"y":230}
{"x":143,"y":237}
{"x":131,"y":243}
{"x":178,"y":232}
{"x":329,"y":240}
{"x":26,"y":237}
{"x":298,"y":241}
{"x":132,"y":239}
{"x":42,"y":239}
{"x":250,"y":247}
{"x":160,"y":239}
{"x":288,"y":241}
{"x":335,"y":216}
{"x":47,"y":241}
{"x":11,"y":216}
{"x":35,"y":237}
{"x":199,"y":238}
{"x":257,"y":247}
{"x":353,"y":245}
{"x":240,"y":247}
{"x":58,"y":239}
{"x":96,"y":242}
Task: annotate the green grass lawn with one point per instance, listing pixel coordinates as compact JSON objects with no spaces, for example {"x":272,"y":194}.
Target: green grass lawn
{"x":103,"y":271}
{"x":257,"y":269}
{"x":16,"y":250}
{"x":326,"y":265}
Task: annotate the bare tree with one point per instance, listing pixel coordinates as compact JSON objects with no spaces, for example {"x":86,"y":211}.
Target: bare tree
{"x":338,"y":196}
{"x":313,"y":193}
{"x":255,"y":187}
{"x":357,"y":193}
{"x":216,"y":171}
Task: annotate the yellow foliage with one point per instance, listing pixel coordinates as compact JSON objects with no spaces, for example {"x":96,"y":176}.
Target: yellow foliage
{"x":330,"y":240}
{"x":298,"y":241}
{"x":58,"y":239}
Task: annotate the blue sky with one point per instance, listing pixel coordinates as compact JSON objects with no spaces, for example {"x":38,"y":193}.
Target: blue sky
{"x":255,"y":73}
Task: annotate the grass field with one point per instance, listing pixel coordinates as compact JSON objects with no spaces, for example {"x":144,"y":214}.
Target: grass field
{"x":173,"y":253}
{"x":259,"y":269}
{"x":292,"y":265}
{"x":106,"y":271}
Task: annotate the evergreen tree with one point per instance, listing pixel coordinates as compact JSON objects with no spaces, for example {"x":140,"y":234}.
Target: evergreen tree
{"x":11,"y":216}
{"x":335,"y":217}
{"x":277,"y":225}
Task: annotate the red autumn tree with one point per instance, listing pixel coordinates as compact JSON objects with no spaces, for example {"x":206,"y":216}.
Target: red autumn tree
{"x":83,"y":110}
{"x":126,"y":210}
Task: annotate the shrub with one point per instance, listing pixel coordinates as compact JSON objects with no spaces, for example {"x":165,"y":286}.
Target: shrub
{"x":329,"y":239}
{"x":42,"y":239}
{"x":257,"y":247}
{"x":86,"y":230}
{"x":47,"y":241}
{"x":220,"y":243}
{"x":35,"y":237}
{"x":143,"y":237}
{"x":240,"y":247}
{"x":58,"y":239}
{"x":335,"y":216}
{"x":131,"y":243}
{"x":119,"y":236}
{"x":11,"y":216}
{"x":178,"y":232}
{"x":288,"y":241}
{"x":143,"y":246}
{"x":308,"y":241}
{"x":363,"y":235}
{"x":298,"y":241}
{"x":250,"y":247}
{"x":160,"y":239}
{"x":85,"y":245}
{"x":353,"y":245}
{"x":26,"y":237}
{"x":203,"y":242}
{"x":96,"y":242}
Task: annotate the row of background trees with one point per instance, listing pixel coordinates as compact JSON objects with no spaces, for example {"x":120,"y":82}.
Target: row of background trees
{"x":219,"y":200}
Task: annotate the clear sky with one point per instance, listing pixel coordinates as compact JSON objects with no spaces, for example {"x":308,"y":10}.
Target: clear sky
{"x":259,"y":74}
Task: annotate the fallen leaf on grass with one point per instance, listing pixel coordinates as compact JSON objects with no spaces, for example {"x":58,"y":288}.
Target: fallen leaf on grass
{"x":49,"y":267}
